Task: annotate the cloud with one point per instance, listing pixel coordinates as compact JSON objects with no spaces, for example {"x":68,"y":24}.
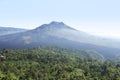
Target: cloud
{"x":26,"y":39}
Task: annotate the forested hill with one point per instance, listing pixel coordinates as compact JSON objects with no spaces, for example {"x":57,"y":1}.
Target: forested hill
{"x":53,"y":63}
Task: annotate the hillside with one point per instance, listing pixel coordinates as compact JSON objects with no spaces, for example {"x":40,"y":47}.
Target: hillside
{"x":53,"y":63}
{"x":10,"y":30}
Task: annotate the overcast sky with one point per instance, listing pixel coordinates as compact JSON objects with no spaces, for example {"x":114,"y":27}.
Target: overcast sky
{"x":99,"y":17}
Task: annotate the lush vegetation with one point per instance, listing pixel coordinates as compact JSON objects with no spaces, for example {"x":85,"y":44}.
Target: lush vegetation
{"x":52,"y":63}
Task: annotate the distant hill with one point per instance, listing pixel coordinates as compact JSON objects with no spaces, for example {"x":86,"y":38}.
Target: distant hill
{"x":60,"y":34}
{"x":10,"y":30}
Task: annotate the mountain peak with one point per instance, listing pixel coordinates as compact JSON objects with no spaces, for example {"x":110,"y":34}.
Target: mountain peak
{"x":56,"y":23}
{"x":53,"y":25}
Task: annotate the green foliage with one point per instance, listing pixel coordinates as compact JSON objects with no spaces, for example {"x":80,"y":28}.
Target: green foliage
{"x":53,"y":63}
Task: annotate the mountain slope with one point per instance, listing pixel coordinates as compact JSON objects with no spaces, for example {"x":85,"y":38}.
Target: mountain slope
{"x":61,"y":30}
{"x":58,"y":34}
{"x":10,"y":30}
{"x":54,"y":63}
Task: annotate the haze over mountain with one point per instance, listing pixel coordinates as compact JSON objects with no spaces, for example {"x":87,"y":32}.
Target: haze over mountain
{"x":61,"y":30}
{"x":60,"y":34}
{"x":10,"y":30}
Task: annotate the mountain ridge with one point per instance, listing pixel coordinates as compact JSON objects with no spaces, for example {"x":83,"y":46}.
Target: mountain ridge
{"x":10,"y":30}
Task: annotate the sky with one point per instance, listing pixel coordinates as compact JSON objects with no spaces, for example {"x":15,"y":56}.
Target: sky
{"x":98,"y":17}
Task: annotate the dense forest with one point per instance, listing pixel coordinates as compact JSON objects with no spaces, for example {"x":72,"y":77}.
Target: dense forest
{"x":53,"y":63}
